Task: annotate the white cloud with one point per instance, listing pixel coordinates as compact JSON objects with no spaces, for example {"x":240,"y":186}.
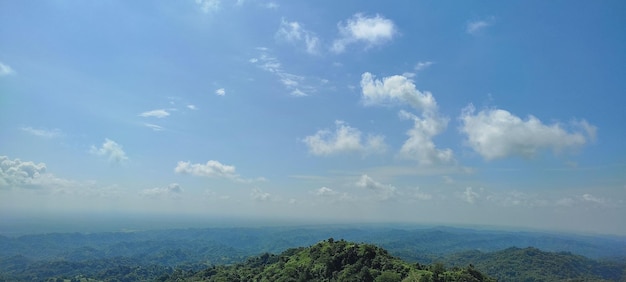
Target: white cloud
{"x":399,"y":89}
{"x":259,"y":195}
{"x":298,"y":93}
{"x":45,"y":133}
{"x":593,"y":199}
{"x":294,"y":32}
{"x":5,"y":70}
{"x":111,"y":150}
{"x":420,"y":145}
{"x":385,"y":191}
{"x":272,"y":5}
{"x":208,"y":6}
{"x":220,"y":92}
{"x":417,"y":194}
{"x":496,"y":133}
{"x":210,"y":169}
{"x":343,"y":139}
{"x":172,"y":190}
{"x":324,"y":191}
{"x":394,"y":89}
{"x":470,"y":196}
{"x":360,"y":28}
{"x":474,"y":27}
{"x":293,"y":82}
{"x":154,"y":126}
{"x":423,"y":65}
{"x":16,"y":173}
{"x":192,"y":107}
{"x":160,"y":113}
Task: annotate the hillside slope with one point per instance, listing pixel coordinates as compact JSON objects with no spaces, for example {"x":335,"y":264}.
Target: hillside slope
{"x":332,"y":260}
{"x":532,"y":264}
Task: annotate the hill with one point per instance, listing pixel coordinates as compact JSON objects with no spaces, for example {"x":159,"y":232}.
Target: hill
{"x":532,"y":264}
{"x":332,"y":260}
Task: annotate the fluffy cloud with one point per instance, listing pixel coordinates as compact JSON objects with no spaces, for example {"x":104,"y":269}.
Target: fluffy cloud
{"x":395,"y":89}
{"x":343,"y":139}
{"x":111,"y":150}
{"x":17,"y":173}
{"x":210,"y":169}
{"x":400,"y":89}
{"x":208,"y":6}
{"x":385,"y":191}
{"x":5,"y":70}
{"x":160,"y":113}
{"x":294,"y":32}
{"x":496,"y":133}
{"x":420,"y":145}
{"x":192,"y":107}
{"x":45,"y":133}
{"x":220,"y":92}
{"x":360,"y":28}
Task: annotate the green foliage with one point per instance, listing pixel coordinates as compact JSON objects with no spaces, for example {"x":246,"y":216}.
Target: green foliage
{"x":332,"y":261}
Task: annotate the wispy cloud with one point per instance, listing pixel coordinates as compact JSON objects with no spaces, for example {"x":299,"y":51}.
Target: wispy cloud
{"x":5,"y":69}
{"x":423,"y":65}
{"x":294,"y":83}
{"x":173,"y":190}
{"x":220,"y":92}
{"x":385,"y":191}
{"x":44,"y":133}
{"x":154,"y":127}
{"x":160,"y":113}
{"x":475,"y":27}
{"x":192,"y":107}
{"x":111,"y":150}
{"x":344,"y":139}
{"x":293,"y":32}
{"x":208,"y":6}
{"x":371,"y":31}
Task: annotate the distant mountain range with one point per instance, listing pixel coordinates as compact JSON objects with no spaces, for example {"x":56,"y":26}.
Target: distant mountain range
{"x":148,"y":255}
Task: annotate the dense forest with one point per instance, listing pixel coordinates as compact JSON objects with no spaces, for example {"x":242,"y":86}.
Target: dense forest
{"x":332,"y":260}
{"x":163,"y":254}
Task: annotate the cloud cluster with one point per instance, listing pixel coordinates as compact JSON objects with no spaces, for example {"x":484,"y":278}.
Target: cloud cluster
{"x":344,"y":139}
{"x":16,"y":173}
{"x":496,"y":133}
{"x":111,"y":150}
{"x":293,"y":32}
{"x":372,"y":31}
{"x":172,"y":190}
{"x":400,"y":89}
{"x":210,"y":169}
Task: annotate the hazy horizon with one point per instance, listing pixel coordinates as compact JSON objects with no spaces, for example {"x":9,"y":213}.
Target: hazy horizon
{"x":497,"y":114}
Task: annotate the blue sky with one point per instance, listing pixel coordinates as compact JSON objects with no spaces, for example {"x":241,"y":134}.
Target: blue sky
{"x":490,"y":113}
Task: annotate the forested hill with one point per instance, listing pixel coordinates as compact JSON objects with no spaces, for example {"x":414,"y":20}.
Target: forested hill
{"x":532,"y":264}
{"x":332,"y":260}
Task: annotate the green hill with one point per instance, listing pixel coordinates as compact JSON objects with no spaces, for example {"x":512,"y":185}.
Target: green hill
{"x":331,"y":260}
{"x":531,"y":264}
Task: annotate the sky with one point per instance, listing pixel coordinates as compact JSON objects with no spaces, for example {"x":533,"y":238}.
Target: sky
{"x":477,"y":113}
